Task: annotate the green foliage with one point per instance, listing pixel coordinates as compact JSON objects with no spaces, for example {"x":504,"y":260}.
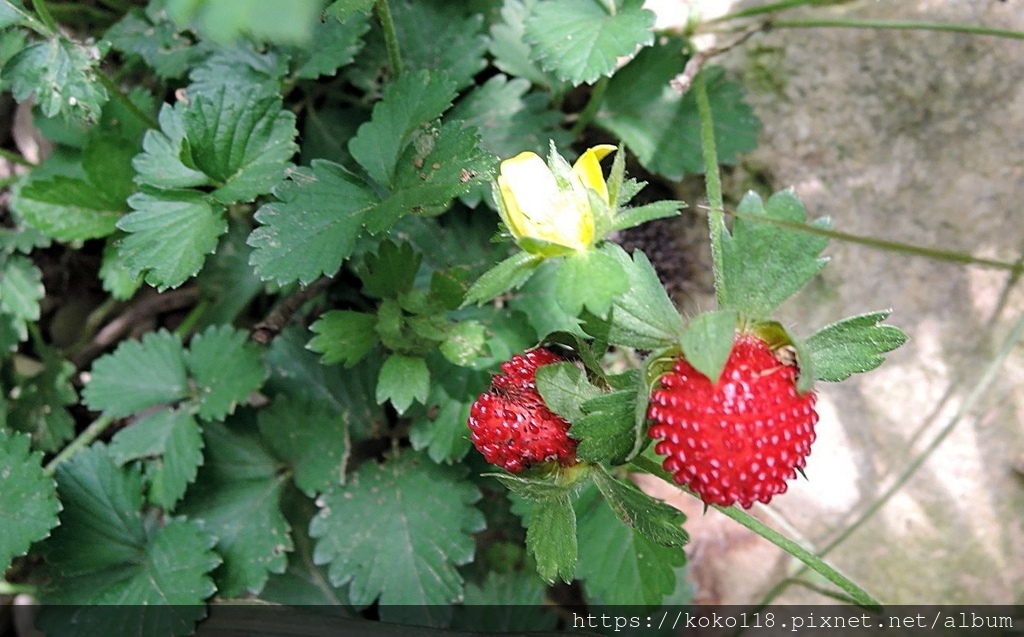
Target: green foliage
{"x":852,"y":345}
{"x":28,"y":498}
{"x":61,"y":75}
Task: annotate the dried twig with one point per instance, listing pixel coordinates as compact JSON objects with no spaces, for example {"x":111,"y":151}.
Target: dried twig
{"x":684,"y":80}
{"x":265,"y":331}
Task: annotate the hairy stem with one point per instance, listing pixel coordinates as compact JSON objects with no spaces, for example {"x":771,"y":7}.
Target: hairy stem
{"x":84,"y":439}
{"x":594,"y":103}
{"x":713,"y":181}
{"x":387,"y":25}
{"x":914,"y":25}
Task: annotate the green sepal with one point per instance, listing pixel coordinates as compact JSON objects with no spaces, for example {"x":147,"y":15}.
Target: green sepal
{"x":708,"y":340}
{"x":653,"y":519}
{"x":852,"y":345}
{"x":508,"y":274}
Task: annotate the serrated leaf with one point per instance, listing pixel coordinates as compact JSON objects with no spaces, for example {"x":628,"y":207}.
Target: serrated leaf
{"x":169,"y":53}
{"x":227,"y":278}
{"x":104,"y":553}
{"x":440,"y":427}
{"x":226,"y":369}
{"x":61,"y":75}
{"x":852,"y":345}
{"x":334,"y":44}
{"x":21,"y":289}
{"x":763,"y":264}
{"x":608,"y":431}
{"x":343,"y":336}
{"x":564,"y":388}
{"x":159,"y":165}
{"x":114,"y":272}
{"x":39,"y":409}
{"x":592,"y":280}
{"x":312,"y":437}
{"x":403,"y":379}
{"x":508,"y":274}
{"x":314,"y":225}
{"x":391,"y":270}
{"x":397,"y":531}
{"x":512,"y":53}
{"x":170,"y":444}
{"x":643,"y":316}
{"x":169,"y":235}
{"x":551,"y":539}
{"x":242,"y":141}
{"x":239,"y":69}
{"x":536,"y":299}
{"x":464,"y":341}
{"x":620,"y":566}
{"x":440,"y":35}
{"x":653,"y":519}
{"x":580,"y":40}
{"x":13,"y":12}
{"x":661,"y":126}
{"x":28,"y":498}
{"x":708,"y":340}
{"x":505,"y":603}
{"x":137,"y":375}
{"x":509,"y":119}
{"x":237,"y":498}
{"x":264,"y":20}
{"x":344,"y":10}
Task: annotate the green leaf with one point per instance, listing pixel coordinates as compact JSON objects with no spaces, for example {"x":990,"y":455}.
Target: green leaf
{"x":609,"y":432}
{"x":643,"y":316}
{"x":852,"y":345}
{"x":763,"y":264}
{"x":505,"y":603}
{"x":440,"y":35}
{"x":311,"y":437}
{"x":551,"y":538}
{"x":243,"y":68}
{"x":264,"y":20}
{"x":61,"y":75}
{"x":619,"y":565}
{"x":440,"y":426}
{"x":343,"y":336}
{"x":661,"y":126}
{"x":511,"y":51}
{"x":345,"y":10}
{"x":391,"y":270}
{"x":537,"y":300}
{"x":708,"y":340}
{"x":160,"y":45}
{"x":169,"y":442}
{"x":402,"y":380}
{"x":12,"y":13}
{"x":39,"y":408}
{"x":464,"y":342}
{"x":653,"y":519}
{"x":159,"y":165}
{"x":632,"y":217}
{"x":564,"y":388}
{"x":580,"y":40}
{"x":137,"y":375}
{"x":226,"y":369}
{"x":592,"y":280}
{"x":510,"y":119}
{"x":508,"y":274}
{"x":114,"y":273}
{"x":237,"y":499}
{"x":169,"y":235}
{"x":241,"y":141}
{"x":28,"y":498}
{"x":21,"y":289}
{"x":334,"y":44}
{"x":412,"y":100}
{"x":227,"y":279}
{"x":313,"y":227}
{"x":105,"y":553}
{"x":397,"y":531}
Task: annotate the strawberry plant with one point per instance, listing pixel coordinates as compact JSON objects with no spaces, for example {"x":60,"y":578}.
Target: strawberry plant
{"x":294,"y":273}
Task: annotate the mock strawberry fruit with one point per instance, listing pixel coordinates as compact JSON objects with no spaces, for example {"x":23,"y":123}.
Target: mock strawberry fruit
{"x":740,"y":439}
{"x":511,"y":426}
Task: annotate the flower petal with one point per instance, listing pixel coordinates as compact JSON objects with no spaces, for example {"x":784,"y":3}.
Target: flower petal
{"x":527,"y":189}
{"x":588,"y":169}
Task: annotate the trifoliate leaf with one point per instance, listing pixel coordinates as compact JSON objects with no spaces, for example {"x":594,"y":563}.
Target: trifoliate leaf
{"x":265,"y":20}
{"x":564,"y":388}
{"x":661,"y":126}
{"x":397,"y":531}
{"x":440,"y":426}
{"x":28,"y":498}
{"x":653,"y":519}
{"x":708,"y":340}
{"x":312,"y":437}
{"x":618,"y":565}
{"x":509,"y":119}
{"x":853,"y":345}
{"x":592,"y":280}
{"x":643,"y":316}
{"x":169,"y":235}
{"x":21,"y":289}
{"x":551,"y":538}
{"x":334,"y":44}
{"x":439,"y":35}
{"x":167,"y":51}
{"x":242,"y":68}
{"x":764,"y":264}
{"x":314,"y":225}
{"x":343,"y":336}
{"x":105,"y":553}
{"x":242,"y":141}
{"x":402,"y":380}
{"x":39,"y":408}
{"x":170,"y":444}
{"x":511,"y":51}
{"x":608,"y":431}
{"x":226,"y":368}
{"x":237,"y":499}
{"x":61,"y":75}
{"x":137,"y":375}
{"x":581,"y":40}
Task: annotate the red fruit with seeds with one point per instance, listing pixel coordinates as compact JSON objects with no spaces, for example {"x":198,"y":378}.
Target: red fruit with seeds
{"x":511,"y":426}
{"x":740,"y":439}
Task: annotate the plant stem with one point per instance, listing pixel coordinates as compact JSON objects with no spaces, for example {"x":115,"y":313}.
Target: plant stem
{"x":387,"y":24}
{"x":9,"y":588}
{"x":770,"y":7}
{"x":45,"y":16}
{"x":594,"y":103}
{"x":192,"y":318}
{"x":116,"y":93}
{"x":15,"y":158}
{"x":713,"y":182}
{"x":84,"y":439}
{"x":896,"y":24}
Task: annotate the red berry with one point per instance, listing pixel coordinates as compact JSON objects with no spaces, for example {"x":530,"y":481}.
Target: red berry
{"x":511,"y":426}
{"x":741,"y":438}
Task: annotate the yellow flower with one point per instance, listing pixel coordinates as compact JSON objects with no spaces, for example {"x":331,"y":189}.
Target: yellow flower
{"x":548,"y":215}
